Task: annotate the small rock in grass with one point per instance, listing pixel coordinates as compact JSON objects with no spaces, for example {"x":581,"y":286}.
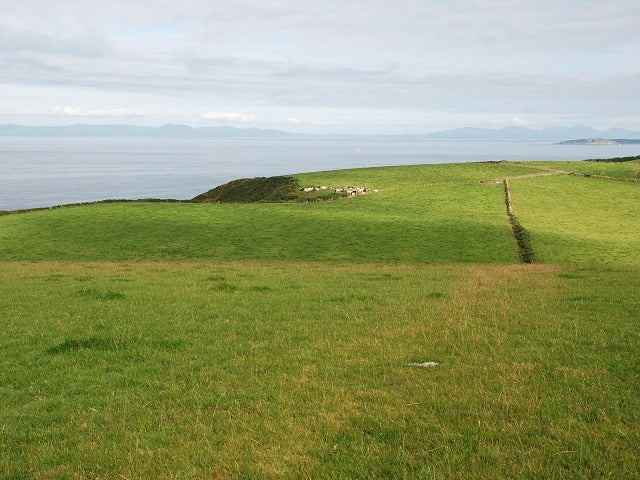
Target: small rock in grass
{"x":424,"y":364}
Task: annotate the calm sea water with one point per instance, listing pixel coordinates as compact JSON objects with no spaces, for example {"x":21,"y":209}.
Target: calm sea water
{"x":48,"y":171}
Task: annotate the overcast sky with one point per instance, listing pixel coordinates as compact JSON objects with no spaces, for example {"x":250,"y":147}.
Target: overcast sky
{"x":321,"y":66}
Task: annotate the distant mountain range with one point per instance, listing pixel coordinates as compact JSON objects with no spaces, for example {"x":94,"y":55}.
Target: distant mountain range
{"x":183,"y":131}
{"x":524,"y":133}
{"x":170,"y":131}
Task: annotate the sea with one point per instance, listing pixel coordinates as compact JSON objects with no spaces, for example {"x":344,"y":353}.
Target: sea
{"x":49,"y":171}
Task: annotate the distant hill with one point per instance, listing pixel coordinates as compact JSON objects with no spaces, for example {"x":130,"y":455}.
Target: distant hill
{"x":184,"y":131}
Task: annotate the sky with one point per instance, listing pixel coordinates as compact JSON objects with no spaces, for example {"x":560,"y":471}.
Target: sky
{"x":401,"y":66}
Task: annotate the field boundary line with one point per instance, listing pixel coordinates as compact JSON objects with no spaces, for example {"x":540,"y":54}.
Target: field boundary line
{"x":523,"y":240}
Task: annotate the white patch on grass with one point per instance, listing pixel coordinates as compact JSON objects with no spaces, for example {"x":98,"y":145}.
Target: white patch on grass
{"x":424,"y":364}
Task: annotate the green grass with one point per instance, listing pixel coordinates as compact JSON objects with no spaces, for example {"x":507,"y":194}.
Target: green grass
{"x":178,"y":340}
{"x":580,"y":220}
{"x":421,"y":215}
{"x":435,"y":231}
{"x":264,"y":370}
{"x":410,"y":178}
{"x":616,"y":170}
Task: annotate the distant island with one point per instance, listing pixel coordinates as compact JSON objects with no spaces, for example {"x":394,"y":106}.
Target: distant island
{"x":601,"y":141}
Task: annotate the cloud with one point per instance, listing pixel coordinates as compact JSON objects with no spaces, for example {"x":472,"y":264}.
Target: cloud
{"x":519,"y":121}
{"x":289,"y":60}
{"x":96,"y":112}
{"x":294,"y":120}
{"x":228,"y":116}
{"x":515,"y":121}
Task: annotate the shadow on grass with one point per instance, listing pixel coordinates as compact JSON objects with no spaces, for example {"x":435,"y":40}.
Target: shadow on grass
{"x":73,"y":345}
{"x":99,"y":294}
{"x":574,"y":248}
{"x":92,"y":343}
{"x":258,"y":233}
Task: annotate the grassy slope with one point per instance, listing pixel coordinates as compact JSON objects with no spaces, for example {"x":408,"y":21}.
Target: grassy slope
{"x":249,"y":190}
{"x":275,"y":366}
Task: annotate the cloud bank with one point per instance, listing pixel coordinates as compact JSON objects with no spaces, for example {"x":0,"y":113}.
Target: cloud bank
{"x":374,"y":66}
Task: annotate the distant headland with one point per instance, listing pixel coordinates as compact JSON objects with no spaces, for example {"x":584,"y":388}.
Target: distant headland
{"x":601,"y":141}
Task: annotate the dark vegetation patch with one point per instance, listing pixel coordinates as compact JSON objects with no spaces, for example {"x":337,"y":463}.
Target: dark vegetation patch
{"x":263,"y":189}
{"x":434,"y":295}
{"x":379,"y":276}
{"x":53,"y":278}
{"x":225,"y":287}
{"x":215,"y":278}
{"x":523,"y":240}
{"x":525,"y":247}
{"x":614,"y":160}
{"x":91,"y":343}
{"x":351,"y":298}
{"x":121,"y":279}
{"x":250,"y":190}
{"x":222,"y":284}
{"x":570,"y":275}
{"x":72,"y":345}
{"x":98,"y":294}
{"x":260,"y":288}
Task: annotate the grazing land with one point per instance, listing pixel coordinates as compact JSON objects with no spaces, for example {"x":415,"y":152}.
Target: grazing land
{"x":578,"y":220}
{"x":284,"y":340}
{"x":618,"y":169}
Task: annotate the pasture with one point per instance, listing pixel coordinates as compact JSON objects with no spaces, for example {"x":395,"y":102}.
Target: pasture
{"x":177,"y":340}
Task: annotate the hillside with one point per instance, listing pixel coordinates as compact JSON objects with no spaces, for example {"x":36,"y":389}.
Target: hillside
{"x":392,"y":335}
{"x":249,"y":190}
{"x":267,"y":189}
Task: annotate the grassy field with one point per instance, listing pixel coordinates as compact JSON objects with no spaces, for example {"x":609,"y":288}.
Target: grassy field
{"x":201,"y":370}
{"x":421,"y":215}
{"x":580,"y":220}
{"x":614,"y":170}
{"x":148,"y":340}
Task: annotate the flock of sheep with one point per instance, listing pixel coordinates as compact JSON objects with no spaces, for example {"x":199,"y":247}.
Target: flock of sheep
{"x":351,"y":191}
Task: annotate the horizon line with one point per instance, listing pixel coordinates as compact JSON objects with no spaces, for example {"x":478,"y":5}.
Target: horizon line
{"x":513,"y":128}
